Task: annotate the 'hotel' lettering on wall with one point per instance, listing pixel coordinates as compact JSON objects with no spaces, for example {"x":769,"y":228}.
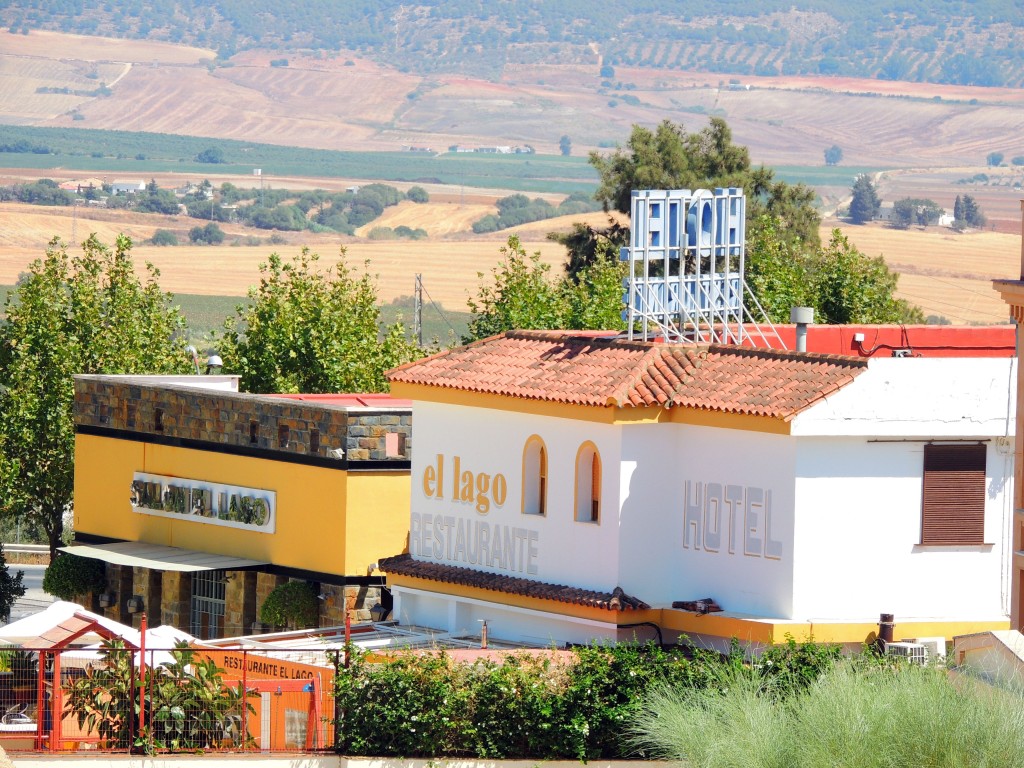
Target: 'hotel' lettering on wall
{"x":732,"y":519}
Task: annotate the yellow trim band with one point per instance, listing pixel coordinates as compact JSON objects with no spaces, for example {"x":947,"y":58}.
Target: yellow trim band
{"x":607,"y":414}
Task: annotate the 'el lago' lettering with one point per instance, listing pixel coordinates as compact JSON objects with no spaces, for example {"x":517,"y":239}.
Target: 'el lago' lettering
{"x":467,"y":487}
{"x":713,"y":511}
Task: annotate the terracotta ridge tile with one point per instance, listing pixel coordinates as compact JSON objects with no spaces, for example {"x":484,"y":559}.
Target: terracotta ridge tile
{"x":405,"y":564}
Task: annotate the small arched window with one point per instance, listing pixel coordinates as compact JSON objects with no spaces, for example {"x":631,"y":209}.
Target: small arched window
{"x":588,"y":484}
{"x":535,"y":477}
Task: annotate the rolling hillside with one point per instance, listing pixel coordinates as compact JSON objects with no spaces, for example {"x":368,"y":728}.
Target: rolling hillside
{"x":944,"y":41}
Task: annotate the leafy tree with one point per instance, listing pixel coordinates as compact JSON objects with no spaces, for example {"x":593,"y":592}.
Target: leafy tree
{"x":306,"y":329}
{"x":994,"y":159}
{"x":211,"y":155}
{"x":850,"y":287}
{"x":866,"y":203}
{"x":670,"y":158}
{"x":972,"y":214}
{"x":911,"y":210}
{"x":902,"y":213}
{"x":90,"y":313}
{"x":833,"y":155}
{"x":155,"y":200}
{"x":209,"y":234}
{"x":608,"y":72}
{"x":777,"y":273}
{"x":1018,"y":160}
{"x":587,"y":245}
{"x":164,"y":237}
{"x":69,"y":576}
{"x":11,"y":586}
{"x":565,"y":145}
{"x":522,"y":295}
{"x":417,"y":195}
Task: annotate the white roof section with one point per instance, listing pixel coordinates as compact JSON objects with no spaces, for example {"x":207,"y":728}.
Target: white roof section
{"x":139,"y":554}
{"x":920,"y":397}
{"x":219,"y":382}
{"x":31,"y":628}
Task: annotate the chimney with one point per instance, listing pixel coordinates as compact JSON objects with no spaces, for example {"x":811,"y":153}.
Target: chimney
{"x":804,"y":316}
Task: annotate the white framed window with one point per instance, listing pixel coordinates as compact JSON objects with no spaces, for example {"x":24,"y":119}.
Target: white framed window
{"x":588,"y":484}
{"x":535,"y":477}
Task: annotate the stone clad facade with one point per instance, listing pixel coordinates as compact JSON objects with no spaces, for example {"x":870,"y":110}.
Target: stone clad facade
{"x":237,"y":419}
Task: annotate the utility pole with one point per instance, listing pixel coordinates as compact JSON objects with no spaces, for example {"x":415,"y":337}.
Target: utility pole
{"x":417,"y":310}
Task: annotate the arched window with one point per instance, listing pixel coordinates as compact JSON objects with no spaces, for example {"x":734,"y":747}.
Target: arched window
{"x":588,"y":484}
{"x":535,"y":477}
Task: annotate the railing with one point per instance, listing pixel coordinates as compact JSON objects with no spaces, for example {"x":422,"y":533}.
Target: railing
{"x":273,"y":700}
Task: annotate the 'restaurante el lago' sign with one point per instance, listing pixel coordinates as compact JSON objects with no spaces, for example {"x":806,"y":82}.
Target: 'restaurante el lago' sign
{"x":200,"y":501}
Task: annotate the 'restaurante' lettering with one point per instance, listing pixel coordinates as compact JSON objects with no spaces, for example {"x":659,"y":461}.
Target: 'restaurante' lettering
{"x":473,"y":542}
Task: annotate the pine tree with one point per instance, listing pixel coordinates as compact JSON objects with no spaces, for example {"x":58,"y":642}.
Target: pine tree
{"x":866,"y":203}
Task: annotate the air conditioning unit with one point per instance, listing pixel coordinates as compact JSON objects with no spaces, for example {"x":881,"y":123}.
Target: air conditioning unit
{"x":934,"y":646}
{"x":913,"y":653}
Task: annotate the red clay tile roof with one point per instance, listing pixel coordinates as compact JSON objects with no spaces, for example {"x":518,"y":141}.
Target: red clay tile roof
{"x":616,"y":600}
{"x":591,"y":370}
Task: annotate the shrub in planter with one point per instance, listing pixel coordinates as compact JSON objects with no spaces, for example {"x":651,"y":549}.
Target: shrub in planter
{"x":293,"y":604}
{"x":69,"y":576}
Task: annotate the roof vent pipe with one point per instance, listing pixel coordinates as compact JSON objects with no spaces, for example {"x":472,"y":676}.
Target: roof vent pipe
{"x":886,"y":623}
{"x":802,"y":316}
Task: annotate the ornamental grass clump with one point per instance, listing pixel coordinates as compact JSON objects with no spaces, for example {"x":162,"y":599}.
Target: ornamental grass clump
{"x":855,"y":715}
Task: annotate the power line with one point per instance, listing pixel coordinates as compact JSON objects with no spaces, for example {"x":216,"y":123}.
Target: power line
{"x":437,"y":306}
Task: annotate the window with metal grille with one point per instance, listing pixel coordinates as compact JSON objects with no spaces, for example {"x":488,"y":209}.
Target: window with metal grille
{"x":953,"y":498}
{"x":208,"y":601}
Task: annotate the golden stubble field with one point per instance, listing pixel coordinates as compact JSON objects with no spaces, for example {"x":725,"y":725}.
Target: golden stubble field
{"x":943,"y":272}
{"x":449,"y":267}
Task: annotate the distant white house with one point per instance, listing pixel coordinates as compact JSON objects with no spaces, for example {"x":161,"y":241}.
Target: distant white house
{"x":127,"y":187}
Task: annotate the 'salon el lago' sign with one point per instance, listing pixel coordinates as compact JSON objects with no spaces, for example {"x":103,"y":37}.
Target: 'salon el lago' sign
{"x":200,"y":501}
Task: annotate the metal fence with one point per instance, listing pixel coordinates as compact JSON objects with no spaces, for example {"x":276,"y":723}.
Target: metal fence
{"x":118,"y":699}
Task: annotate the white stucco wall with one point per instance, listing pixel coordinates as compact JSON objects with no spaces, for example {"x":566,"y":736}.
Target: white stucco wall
{"x":488,"y":441}
{"x":668,"y":555}
{"x":858,"y":529}
{"x":859,"y":483}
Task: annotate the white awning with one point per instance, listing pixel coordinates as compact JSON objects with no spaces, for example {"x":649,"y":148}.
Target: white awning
{"x":143,"y":555}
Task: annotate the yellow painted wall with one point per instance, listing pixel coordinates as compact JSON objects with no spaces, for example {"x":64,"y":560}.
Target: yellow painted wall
{"x":374,"y":531}
{"x":327,"y":520}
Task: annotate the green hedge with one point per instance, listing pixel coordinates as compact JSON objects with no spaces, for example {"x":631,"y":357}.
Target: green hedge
{"x":529,"y":707}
